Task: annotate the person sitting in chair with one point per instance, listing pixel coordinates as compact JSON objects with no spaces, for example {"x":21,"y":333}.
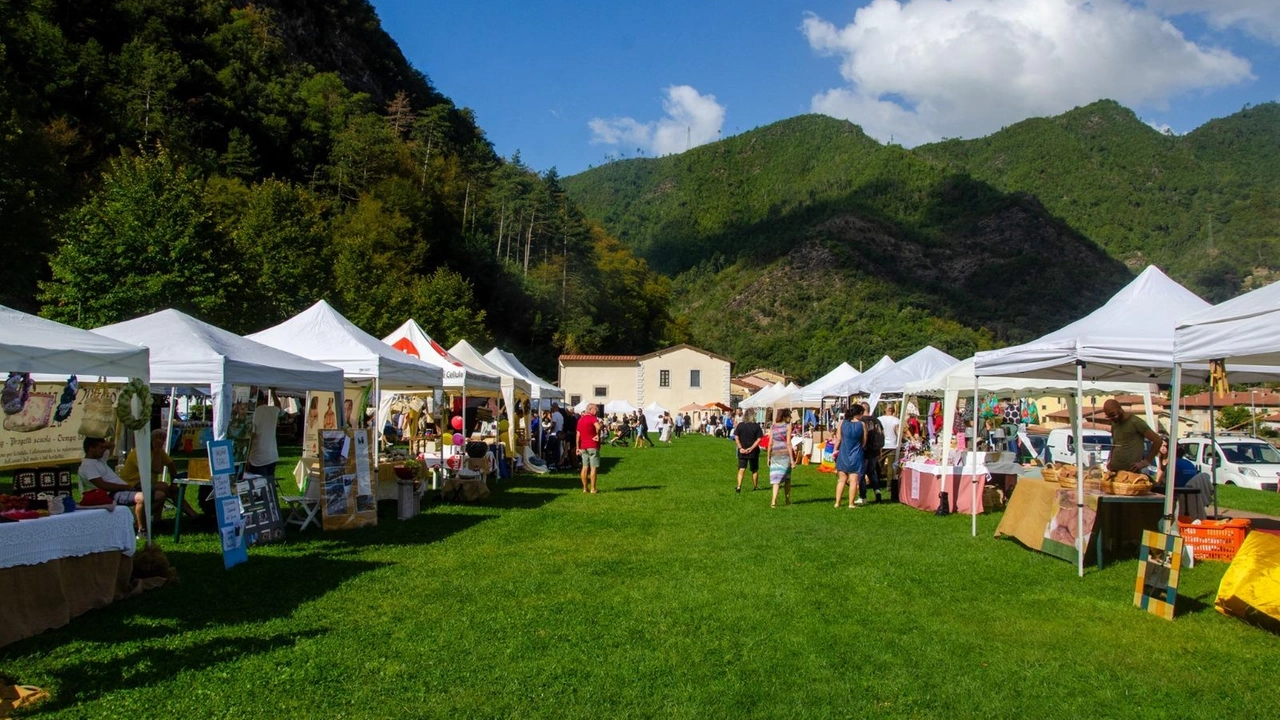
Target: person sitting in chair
{"x":96,"y":470}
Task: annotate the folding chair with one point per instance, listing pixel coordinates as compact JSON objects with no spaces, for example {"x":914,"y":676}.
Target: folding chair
{"x":304,"y":509}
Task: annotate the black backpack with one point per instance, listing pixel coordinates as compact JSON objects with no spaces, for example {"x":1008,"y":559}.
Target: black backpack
{"x":875,"y":437}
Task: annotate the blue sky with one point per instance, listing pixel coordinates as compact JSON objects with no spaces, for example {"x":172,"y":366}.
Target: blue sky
{"x":568,"y":84}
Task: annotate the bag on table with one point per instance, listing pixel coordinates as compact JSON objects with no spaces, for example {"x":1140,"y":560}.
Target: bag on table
{"x":99,"y":419}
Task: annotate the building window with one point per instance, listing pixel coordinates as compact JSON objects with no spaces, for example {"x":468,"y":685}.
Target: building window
{"x":600,"y":391}
{"x":574,"y":400}
{"x":664,"y":378}
{"x":695,"y":378}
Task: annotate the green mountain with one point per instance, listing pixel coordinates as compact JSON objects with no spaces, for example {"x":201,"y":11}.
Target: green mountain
{"x":805,"y":242}
{"x":1203,"y":206}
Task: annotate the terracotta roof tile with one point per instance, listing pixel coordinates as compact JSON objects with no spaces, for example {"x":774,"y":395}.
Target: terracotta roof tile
{"x":599,"y":358}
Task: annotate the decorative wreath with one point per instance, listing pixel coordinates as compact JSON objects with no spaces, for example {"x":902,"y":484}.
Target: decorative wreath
{"x":124,"y":405}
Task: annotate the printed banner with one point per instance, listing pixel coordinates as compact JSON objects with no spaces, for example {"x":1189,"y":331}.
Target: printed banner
{"x":34,"y":437}
{"x":350,"y":488}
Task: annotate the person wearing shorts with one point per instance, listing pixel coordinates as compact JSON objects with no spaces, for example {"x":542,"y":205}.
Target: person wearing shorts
{"x":96,"y":471}
{"x":747,"y":440}
{"x":589,"y":427}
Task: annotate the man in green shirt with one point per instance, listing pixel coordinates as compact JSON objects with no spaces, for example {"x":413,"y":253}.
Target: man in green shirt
{"x":1128,"y":431}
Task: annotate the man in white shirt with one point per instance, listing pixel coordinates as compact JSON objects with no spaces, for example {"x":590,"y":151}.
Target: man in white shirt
{"x":557,"y":432}
{"x":889,"y":420}
{"x":263,"y":453}
{"x":96,"y":470}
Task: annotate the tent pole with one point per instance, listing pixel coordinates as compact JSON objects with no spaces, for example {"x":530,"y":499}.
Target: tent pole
{"x":1169,"y":524}
{"x":973,"y":480}
{"x":1080,"y":542}
{"x":1213,"y":445}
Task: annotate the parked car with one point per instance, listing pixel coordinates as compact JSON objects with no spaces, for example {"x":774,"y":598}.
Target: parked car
{"x":1243,"y":460}
{"x":1061,"y":446}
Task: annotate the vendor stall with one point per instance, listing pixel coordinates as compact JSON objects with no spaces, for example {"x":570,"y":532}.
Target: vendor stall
{"x":55,"y":568}
{"x":515,"y":387}
{"x":1130,"y":338}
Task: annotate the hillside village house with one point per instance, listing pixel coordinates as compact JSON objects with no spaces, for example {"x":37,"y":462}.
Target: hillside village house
{"x":744,"y":386}
{"x":673,"y":377}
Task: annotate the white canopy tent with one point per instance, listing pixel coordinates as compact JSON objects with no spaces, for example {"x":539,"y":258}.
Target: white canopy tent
{"x":812,"y":395}
{"x":763,"y":397}
{"x":514,"y":386}
{"x":783,"y":398}
{"x":322,"y":334}
{"x":411,"y":339}
{"x":32,"y":344}
{"x":541,"y":389}
{"x":188,"y":352}
{"x":1129,"y":338}
{"x":1243,"y":331}
{"x":1240,"y":332}
{"x":854,"y":386}
{"x":652,"y":412}
{"x":923,"y":363}
{"x":960,"y":377}
{"x":619,"y":406}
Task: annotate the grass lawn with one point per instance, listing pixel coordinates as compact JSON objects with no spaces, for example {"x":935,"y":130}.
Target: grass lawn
{"x":665,"y":595}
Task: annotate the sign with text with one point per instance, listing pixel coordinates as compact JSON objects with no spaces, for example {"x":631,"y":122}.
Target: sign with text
{"x":227,"y":504}
{"x":260,"y":509}
{"x":350,"y":487}
{"x":35,"y":437}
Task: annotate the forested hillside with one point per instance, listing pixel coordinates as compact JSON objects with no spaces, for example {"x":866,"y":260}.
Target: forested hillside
{"x":825,"y":245}
{"x":1204,"y":206}
{"x":239,"y":161}
{"x":805,"y":243}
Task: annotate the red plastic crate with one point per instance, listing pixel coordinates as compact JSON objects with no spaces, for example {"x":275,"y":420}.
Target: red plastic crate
{"x":1214,"y":539}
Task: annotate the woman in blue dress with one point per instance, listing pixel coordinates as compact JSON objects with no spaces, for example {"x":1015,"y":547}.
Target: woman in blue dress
{"x":851,"y":438}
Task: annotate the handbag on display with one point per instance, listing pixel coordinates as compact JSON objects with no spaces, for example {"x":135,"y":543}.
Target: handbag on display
{"x":35,"y":415}
{"x":14,"y":395}
{"x":99,"y":419}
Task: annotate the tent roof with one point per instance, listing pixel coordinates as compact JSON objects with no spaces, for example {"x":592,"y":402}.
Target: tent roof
{"x":856,"y":385}
{"x":815,"y":391}
{"x":186,"y":351}
{"x":692,"y":407}
{"x":468,"y":354}
{"x":924,"y":363}
{"x":1128,"y":338}
{"x":783,"y":398}
{"x":320,"y":333}
{"x":33,"y":344}
{"x":1244,"y":330}
{"x":412,"y":340}
{"x":540,"y":388}
{"x":619,"y":406}
{"x":763,"y":397}
{"x":960,"y":378}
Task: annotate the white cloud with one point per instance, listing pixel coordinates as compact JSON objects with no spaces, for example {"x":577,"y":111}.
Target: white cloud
{"x":1162,"y":128}
{"x":692,"y":119}
{"x":920,"y":70}
{"x":1260,"y":18}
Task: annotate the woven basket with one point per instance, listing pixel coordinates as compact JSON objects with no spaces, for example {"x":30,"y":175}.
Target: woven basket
{"x":1049,"y":473}
{"x":1067,"y":476}
{"x":1128,"y":483}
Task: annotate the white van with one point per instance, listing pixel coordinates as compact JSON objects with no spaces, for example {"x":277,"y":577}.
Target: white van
{"x":1061,"y":447}
{"x":1243,"y":460}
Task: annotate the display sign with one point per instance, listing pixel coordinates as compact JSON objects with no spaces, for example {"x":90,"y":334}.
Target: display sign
{"x":321,"y":415}
{"x":349,"y":484}
{"x":34,"y":437}
{"x":227,"y":504}
{"x":259,"y":509}
{"x":1159,"y":566}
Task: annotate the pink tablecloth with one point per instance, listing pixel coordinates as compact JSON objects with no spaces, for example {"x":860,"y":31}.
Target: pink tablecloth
{"x":919,"y":485}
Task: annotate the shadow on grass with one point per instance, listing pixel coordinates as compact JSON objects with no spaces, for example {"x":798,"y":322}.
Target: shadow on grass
{"x":90,"y":678}
{"x":635,"y":488}
{"x":557,"y":481}
{"x":1186,"y":605}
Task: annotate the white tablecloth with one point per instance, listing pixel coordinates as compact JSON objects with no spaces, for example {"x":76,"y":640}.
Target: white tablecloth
{"x":86,"y":531}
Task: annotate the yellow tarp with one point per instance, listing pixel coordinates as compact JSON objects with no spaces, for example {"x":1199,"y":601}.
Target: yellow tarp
{"x":1251,"y":588}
